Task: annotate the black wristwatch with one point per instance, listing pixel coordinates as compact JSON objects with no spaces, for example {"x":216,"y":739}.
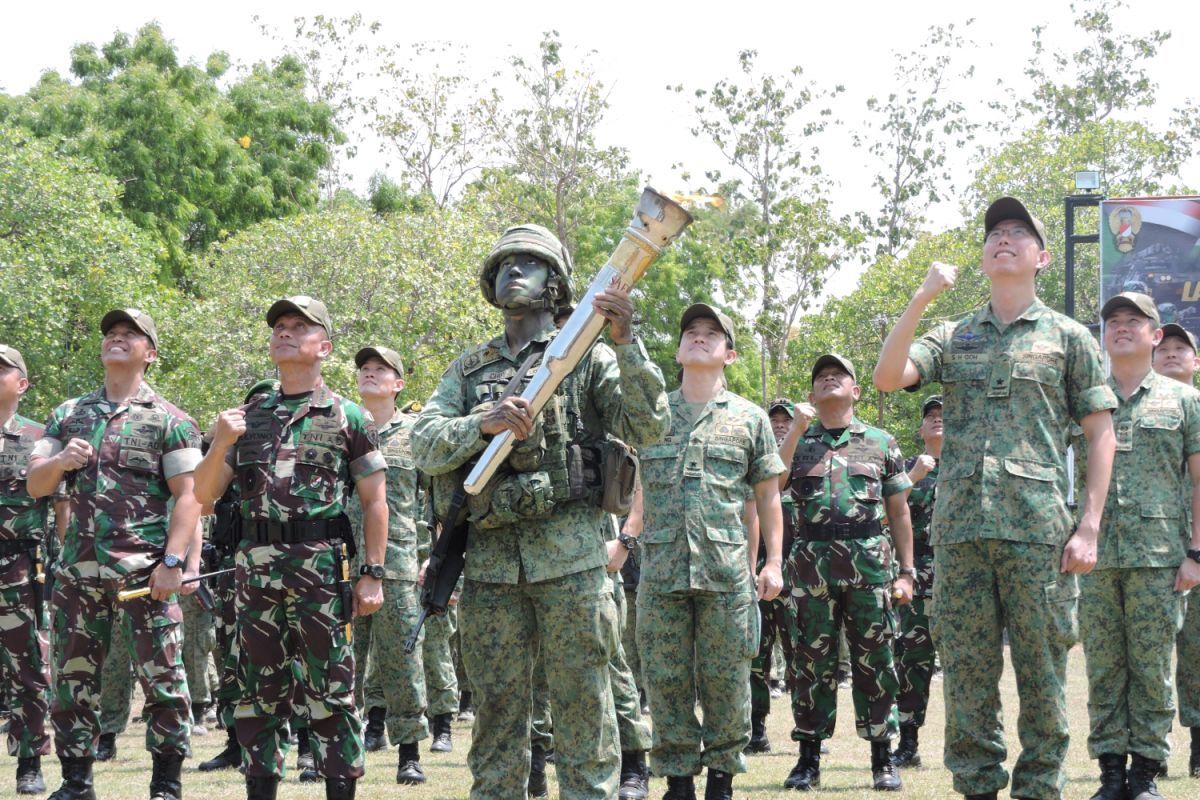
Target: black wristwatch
{"x":171,"y":561}
{"x":628,"y":542}
{"x":374,"y":570}
{"x":909,"y":571}
{"x":1194,"y":555}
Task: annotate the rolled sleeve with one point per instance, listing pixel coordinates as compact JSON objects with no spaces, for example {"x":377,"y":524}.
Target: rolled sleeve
{"x":926,"y":355}
{"x":47,"y":448}
{"x":1097,"y":398}
{"x":896,"y":484}
{"x":764,"y":468}
{"x":367,"y":464}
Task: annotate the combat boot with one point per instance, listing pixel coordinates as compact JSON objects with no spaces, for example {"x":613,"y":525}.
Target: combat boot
{"x":106,"y":748}
{"x":1194,"y":760}
{"x":806,"y":775}
{"x":340,"y":788}
{"x":198,"y":728}
{"x":719,"y":785}
{"x":305,"y":762}
{"x":261,"y":788}
{"x":77,"y":780}
{"x":680,"y":787}
{"x":442,"y":738}
{"x":409,"y":772}
{"x":536,"y":785}
{"x":229,"y":758}
{"x":883,"y":771}
{"x":980,"y":796}
{"x":466,"y":709}
{"x":634,"y":776}
{"x":759,"y":743}
{"x":1112,"y":777}
{"x":29,"y":775}
{"x":375,"y":737}
{"x":907,"y":755}
{"x":165,"y":783}
{"x":1142,"y":772}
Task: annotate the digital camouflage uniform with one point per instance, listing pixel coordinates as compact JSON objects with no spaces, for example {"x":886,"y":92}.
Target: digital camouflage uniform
{"x":116,"y":678}
{"x":698,"y":624}
{"x":116,"y":535}
{"x":297,"y":462}
{"x":540,"y":577}
{"x":841,"y":574}
{"x":24,"y":643}
{"x":633,"y":731}
{"x":999,"y":526}
{"x":914,"y":651}
{"x":777,"y":621}
{"x":198,"y":641}
{"x":437,"y":655}
{"x":1129,"y":612}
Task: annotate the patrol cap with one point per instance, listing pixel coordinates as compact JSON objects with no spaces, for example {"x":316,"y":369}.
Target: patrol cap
{"x":389,"y":357}
{"x":1012,"y":208}
{"x":260,"y":388}
{"x":783,"y":404}
{"x":930,"y":403}
{"x":834,"y":359}
{"x":1175,"y":329}
{"x":312,"y":310}
{"x":697,"y":310}
{"x":138,"y":319}
{"x":1141,"y":303}
{"x":11,"y":356}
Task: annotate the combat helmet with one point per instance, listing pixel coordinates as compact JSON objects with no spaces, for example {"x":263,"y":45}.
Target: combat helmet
{"x":540,"y":242}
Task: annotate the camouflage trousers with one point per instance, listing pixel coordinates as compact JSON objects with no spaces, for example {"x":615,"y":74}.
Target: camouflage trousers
{"x":441,"y":682}
{"x":541,"y":723}
{"x":633,"y":730}
{"x":629,"y":638}
{"x":224,"y":590}
{"x":915,"y":657}
{"x":778,"y":620}
{"x":291,"y":638}
{"x":698,"y":645}
{"x":395,"y":680}
{"x":85,"y":608}
{"x":866,"y":616}
{"x":1128,"y":619}
{"x":982,"y":589}
{"x":24,"y":659}
{"x":116,"y":678}
{"x":1187,"y":663}
{"x":500,"y":626}
{"x":198,"y":643}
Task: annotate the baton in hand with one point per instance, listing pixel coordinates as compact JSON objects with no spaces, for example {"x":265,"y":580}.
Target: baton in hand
{"x":130,"y":594}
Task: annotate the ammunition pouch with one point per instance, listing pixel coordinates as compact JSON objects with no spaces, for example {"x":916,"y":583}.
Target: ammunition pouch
{"x":226,"y":529}
{"x":619,"y":468}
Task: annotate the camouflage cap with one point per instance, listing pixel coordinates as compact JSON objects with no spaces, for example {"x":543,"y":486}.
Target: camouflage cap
{"x":783,"y":404}
{"x":312,"y":310}
{"x":138,"y":319}
{"x":930,"y":403}
{"x":1141,"y":303}
{"x":1175,"y":329}
{"x":697,"y":310}
{"x":1012,"y":208}
{"x":11,"y":356}
{"x":538,"y":241}
{"x":389,"y":357}
{"x":836,"y":360}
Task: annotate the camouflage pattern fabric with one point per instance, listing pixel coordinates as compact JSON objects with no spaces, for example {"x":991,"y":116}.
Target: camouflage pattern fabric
{"x":441,"y":681}
{"x":1187,"y":664}
{"x":696,"y":587}
{"x":224,"y":589}
{"x":116,"y":679}
{"x":1009,"y":393}
{"x":629,"y":640}
{"x":541,"y":722}
{"x":777,"y":620}
{"x":198,"y":641}
{"x":915,"y":653}
{"x":24,"y":640}
{"x":633,"y":731}
{"x":541,"y":579}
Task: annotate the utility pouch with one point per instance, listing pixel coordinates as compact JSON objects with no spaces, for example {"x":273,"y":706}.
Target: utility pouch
{"x":619,"y":467}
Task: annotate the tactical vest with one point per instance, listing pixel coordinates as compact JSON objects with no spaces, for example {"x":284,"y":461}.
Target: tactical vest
{"x":14,"y":469}
{"x":139,"y":444}
{"x":319,"y":453}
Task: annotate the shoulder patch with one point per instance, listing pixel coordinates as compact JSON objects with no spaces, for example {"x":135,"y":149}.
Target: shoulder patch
{"x":480,"y":356}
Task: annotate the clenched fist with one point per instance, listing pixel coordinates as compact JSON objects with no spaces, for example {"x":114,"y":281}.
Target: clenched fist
{"x":76,"y":454}
{"x":230,"y":426}
{"x":939,"y":278}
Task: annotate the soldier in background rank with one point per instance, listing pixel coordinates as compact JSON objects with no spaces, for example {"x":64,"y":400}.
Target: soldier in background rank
{"x":125,"y":454}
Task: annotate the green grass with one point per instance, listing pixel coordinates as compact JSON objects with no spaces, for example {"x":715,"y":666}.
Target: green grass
{"x":845,"y":770}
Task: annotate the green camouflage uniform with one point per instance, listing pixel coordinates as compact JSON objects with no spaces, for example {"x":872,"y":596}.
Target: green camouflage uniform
{"x":841,"y":574}
{"x":116,"y":679}
{"x":116,"y":535}
{"x":437,"y":656}
{"x":914,"y":651}
{"x":540,"y":576}
{"x":777,"y":621}
{"x":698,"y":624}
{"x":199,"y":639}
{"x":24,"y":644}
{"x":1187,"y":642}
{"x":633,"y":731}
{"x":1129,"y":612}
{"x":999,"y":527}
{"x":297,"y":461}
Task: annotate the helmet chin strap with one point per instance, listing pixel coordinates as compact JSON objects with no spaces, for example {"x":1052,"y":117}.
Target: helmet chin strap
{"x":548,"y":301}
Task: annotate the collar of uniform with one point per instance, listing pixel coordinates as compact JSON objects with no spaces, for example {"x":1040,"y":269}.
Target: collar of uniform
{"x":396,"y":419}
{"x":12,"y":426}
{"x":722,"y":398}
{"x":321,"y":397}
{"x":544,"y":335}
{"x":985,"y":314}
{"x":1146,"y":384}
{"x":144,"y":396}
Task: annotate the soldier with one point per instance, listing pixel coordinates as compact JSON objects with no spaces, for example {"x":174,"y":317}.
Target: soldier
{"x":297,"y":453}
{"x":698,"y":625}
{"x":1013,"y":374}
{"x":24,"y":645}
{"x":535,"y":568}
{"x":1175,"y":357}
{"x":845,"y":476}
{"x":125,"y":453}
{"x":915,"y":655}
{"x":1130,"y":607}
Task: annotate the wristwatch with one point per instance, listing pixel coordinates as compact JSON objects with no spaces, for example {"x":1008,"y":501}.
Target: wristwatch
{"x":1194,"y":555}
{"x":374,"y":570}
{"x":171,"y":561}
{"x":908,"y":571}
{"x":628,"y":542}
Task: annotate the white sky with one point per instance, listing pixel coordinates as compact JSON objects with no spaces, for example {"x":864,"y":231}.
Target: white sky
{"x":640,"y":49}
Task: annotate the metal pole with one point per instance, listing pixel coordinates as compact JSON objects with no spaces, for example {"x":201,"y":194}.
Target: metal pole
{"x":1072,"y":202}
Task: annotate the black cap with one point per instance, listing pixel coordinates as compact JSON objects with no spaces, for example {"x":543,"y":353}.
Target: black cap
{"x":1175,"y":329}
{"x":782,"y":404}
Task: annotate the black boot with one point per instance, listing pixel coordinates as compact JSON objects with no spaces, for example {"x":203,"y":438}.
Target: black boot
{"x":77,"y":780}
{"x":906,"y":755}
{"x":305,"y":763}
{"x":165,"y":783}
{"x":537,"y":773}
{"x":375,"y":737}
{"x":680,"y":787}
{"x":466,"y":709}
{"x":1194,"y":760}
{"x":883,"y":771}
{"x":409,"y":772}
{"x":1142,"y":772}
{"x":340,"y":788}
{"x":634,"y":776}
{"x":29,"y":775}
{"x":1112,"y":777}
{"x":106,"y":748}
{"x":229,"y":758}
{"x":442,"y":740}
{"x":759,"y":743}
{"x":719,"y":785}
{"x":261,"y":788}
{"x":806,"y":775}
{"x":981,"y":796}
{"x":198,"y":727}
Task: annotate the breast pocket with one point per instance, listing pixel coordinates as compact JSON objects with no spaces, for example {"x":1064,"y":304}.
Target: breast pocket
{"x":725,"y":465}
{"x":315,"y":474}
{"x":808,"y":480}
{"x":865,"y":482}
{"x":956,"y":372}
{"x":142,"y":465}
{"x":660,"y":465}
{"x":253,"y":465}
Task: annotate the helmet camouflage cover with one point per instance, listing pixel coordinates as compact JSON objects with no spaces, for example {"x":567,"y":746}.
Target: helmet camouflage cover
{"x":538,"y":241}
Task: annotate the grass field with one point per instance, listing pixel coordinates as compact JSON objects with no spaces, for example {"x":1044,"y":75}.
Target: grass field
{"x":845,"y":770}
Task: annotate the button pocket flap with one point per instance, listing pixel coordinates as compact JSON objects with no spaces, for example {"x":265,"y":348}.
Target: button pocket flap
{"x":817,"y":470}
{"x":316,"y":455}
{"x":869,"y":471}
{"x":964,"y":372}
{"x":956,"y":469}
{"x":724,"y":452}
{"x":657,"y":452}
{"x":253,"y":454}
{"x":1034,"y":470}
{"x":141,"y":460}
{"x":1160,"y":421}
{"x":1158,"y":511}
{"x":1064,"y":590}
{"x":726,"y":535}
{"x":1036,"y":371}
